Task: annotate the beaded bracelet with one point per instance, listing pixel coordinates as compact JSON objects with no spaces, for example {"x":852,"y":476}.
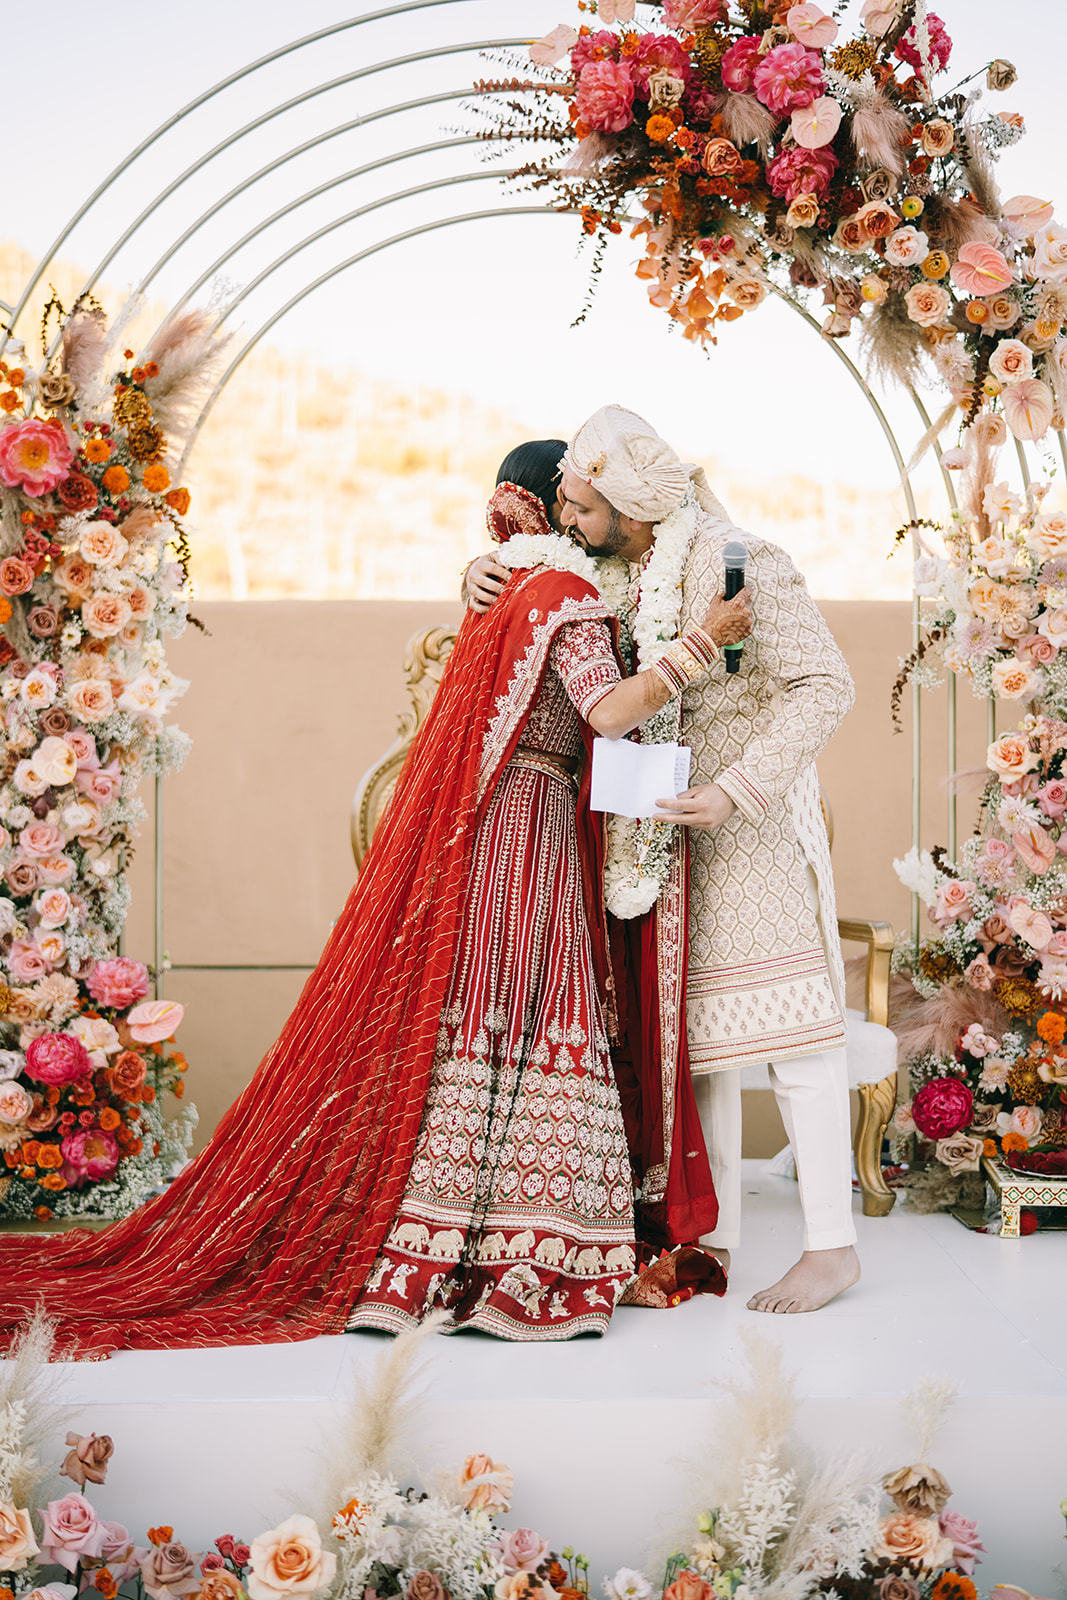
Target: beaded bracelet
{"x":688,"y":658}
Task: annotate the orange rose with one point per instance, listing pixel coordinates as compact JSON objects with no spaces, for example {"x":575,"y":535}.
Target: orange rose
{"x":902,"y":1536}
{"x":852,"y":235}
{"x":689,"y":1586}
{"x":486,"y":1485}
{"x":219,"y":1585}
{"x":289,"y":1560}
{"x":720,"y":157}
{"x":17,"y":1544}
{"x":50,"y":1157}
{"x":178,"y":500}
{"x":116,"y":480}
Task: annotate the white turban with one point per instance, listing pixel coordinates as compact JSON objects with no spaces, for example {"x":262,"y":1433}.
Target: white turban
{"x":623,"y":457}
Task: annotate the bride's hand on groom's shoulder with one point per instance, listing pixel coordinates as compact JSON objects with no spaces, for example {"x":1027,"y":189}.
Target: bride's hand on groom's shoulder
{"x":483,"y":581}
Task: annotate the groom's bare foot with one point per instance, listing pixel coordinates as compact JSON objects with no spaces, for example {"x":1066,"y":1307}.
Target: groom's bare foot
{"x":817,"y":1278}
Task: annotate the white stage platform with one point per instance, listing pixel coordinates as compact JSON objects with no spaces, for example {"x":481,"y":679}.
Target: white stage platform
{"x":607,"y":1437}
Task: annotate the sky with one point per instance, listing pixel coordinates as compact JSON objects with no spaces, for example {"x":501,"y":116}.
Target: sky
{"x":485,"y":307}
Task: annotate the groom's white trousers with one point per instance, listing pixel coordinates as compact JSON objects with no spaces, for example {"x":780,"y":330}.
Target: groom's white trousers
{"x":812,"y":1096}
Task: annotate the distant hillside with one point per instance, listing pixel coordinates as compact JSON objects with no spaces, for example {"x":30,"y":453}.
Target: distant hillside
{"x":314,"y":482}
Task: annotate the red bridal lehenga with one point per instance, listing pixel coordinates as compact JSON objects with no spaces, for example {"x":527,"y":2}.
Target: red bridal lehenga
{"x":437,"y":1124}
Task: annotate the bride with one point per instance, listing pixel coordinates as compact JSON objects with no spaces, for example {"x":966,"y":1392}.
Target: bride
{"x":437,"y":1124}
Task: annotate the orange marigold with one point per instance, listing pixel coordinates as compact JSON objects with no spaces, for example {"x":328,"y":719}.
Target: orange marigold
{"x":96,"y":450}
{"x":1013,"y":1141}
{"x":953,"y":1586}
{"x":6,"y":1593}
{"x":178,"y":500}
{"x":156,"y":478}
{"x":5,"y":609}
{"x":1051,"y":1026}
{"x":659,"y":128}
{"x":116,"y":480}
{"x":49,"y":1157}
{"x":990,"y":1148}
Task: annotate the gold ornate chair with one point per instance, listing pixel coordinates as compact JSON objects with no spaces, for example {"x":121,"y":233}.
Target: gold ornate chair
{"x":870,"y":1047}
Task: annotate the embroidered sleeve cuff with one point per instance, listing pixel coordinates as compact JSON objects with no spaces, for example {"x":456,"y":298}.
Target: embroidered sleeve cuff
{"x":748,"y":797}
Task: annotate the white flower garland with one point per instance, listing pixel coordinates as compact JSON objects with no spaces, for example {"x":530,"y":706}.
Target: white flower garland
{"x":639,"y":849}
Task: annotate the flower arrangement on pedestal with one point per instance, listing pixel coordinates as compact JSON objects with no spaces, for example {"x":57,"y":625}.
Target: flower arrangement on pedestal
{"x":93,"y":577}
{"x":786,"y":1531}
{"x":766,"y":151}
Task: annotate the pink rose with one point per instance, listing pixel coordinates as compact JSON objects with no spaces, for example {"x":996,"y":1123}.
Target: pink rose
{"x":104,"y":784}
{"x":600,"y":46}
{"x":41,"y":839}
{"x":980,"y":974}
{"x":121,"y":1556}
{"x":53,"y":907}
{"x":798,"y":171}
{"x":154,"y":1020}
{"x":57,"y":1058}
{"x":15,"y":1103}
{"x":941,"y":1107}
{"x":21,"y":875}
{"x":84,"y":746}
{"x":27,"y":962}
{"x":522,"y":1550}
{"x":89,"y":1156}
{"x":55,"y":869}
{"x":1052,"y":799}
{"x":788,"y":77}
{"x":34,"y":456}
{"x":740,"y":62}
{"x":118,"y":982}
{"x":1036,"y":648}
{"x":605,"y":97}
{"x":105,"y":614}
{"x":71,"y":1530}
{"x":954,"y":900}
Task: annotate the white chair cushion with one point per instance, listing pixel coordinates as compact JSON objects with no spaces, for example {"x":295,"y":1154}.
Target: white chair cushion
{"x":870,"y":1053}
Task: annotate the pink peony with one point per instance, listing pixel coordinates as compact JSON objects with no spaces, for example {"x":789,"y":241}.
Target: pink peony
{"x":940,"y":45}
{"x":602,"y":46}
{"x":118,"y":982}
{"x":522,"y":1550}
{"x":798,"y":171}
{"x":154,"y":1020}
{"x":34,"y":456}
{"x":688,"y":15}
{"x":57,"y":1058}
{"x":740,"y":62}
{"x":71,"y":1530}
{"x":788,"y":77}
{"x":656,"y":52}
{"x":941,"y":1107}
{"x":605,"y":97}
{"x":89,"y":1156}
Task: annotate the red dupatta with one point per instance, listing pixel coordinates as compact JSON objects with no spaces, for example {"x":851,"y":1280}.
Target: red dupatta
{"x":269,"y":1234}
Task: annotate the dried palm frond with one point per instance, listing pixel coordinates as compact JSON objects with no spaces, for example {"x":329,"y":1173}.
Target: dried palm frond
{"x":892,"y":342}
{"x":876,"y":131}
{"x":933,"y":1026}
{"x":951,"y":223}
{"x":979,"y":170}
{"x":82,"y":344}
{"x":589,"y":155}
{"x":746,"y":121}
{"x":926,"y":1408}
{"x":188,"y":352}
{"x":27,"y":1401}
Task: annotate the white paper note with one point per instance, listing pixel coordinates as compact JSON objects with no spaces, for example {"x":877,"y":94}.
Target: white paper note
{"x":629,"y":778}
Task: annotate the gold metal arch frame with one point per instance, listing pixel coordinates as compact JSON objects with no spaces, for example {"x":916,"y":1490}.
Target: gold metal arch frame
{"x":188,"y":236}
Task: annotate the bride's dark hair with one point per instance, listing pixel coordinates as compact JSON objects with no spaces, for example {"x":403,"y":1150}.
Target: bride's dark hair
{"x":536,"y":466}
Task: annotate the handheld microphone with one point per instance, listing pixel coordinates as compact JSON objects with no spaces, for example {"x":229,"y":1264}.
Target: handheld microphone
{"x":734,"y":557}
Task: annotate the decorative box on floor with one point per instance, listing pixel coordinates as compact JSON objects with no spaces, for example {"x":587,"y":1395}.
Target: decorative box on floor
{"x":1017,"y":1189}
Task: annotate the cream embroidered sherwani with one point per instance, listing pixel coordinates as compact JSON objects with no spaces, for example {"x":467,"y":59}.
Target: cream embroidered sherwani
{"x":765,"y":973}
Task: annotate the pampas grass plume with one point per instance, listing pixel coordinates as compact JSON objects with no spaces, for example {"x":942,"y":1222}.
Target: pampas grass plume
{"x":83,"y":341}
{"x":892,"y":342}
{"x":746,"y":121}
{"x":876,"y":132}
{"x":27,"y":1380}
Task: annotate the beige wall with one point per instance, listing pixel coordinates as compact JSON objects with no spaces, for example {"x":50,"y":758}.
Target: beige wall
{"x":291,"y":701}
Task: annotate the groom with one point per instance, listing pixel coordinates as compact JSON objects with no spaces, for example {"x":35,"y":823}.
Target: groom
{"x":765,"y":981}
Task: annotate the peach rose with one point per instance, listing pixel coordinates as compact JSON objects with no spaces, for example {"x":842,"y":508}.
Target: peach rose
{"x":937,"y":138}
{"x":53,"y":907}
{"x":486,"y":1485}
{"x":689,"y":1585}
{"x":1050,"y":252}
{"x":1027,"y":1121}
{"x":874,"y":289}
{"x":16,"y":1103}
{"x":105,"y":614}
{"x":1010,"y":756}
{"x":746,"y":293}
{"x":74,"y":576}
{"x":851,"y":235}
{"x":878,"y":218}
{"x":1016,"y":680}
{"x":907,"y":247}
{"x":102,"y":545}
{"x":141,"y":601}
{"x":91,"y":699}
{"x":1011,"y":361}
{"x":1048,"y":536}
{"x":721,"y":157}
{"x":927,"y":303}
{"x":38,"y":690}
{"x":522,"y":1586}
{"x":803,"y":211}
{"x":17,"y":1544}
{"x":220,"y":1585}
{"x":903,"y":1536}
{"x":289,"y":1560}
